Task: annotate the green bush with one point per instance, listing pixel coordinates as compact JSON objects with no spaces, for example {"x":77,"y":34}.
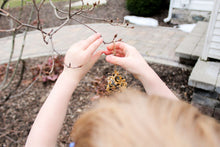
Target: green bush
{"x":144,"y":7}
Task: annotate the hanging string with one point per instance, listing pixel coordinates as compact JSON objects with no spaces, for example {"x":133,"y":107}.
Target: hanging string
{"x":114,"y":53}
{"x":116,"y":82}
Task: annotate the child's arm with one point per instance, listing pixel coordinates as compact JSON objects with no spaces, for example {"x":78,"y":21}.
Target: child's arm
{"x":48,"y":123}
{"x":130,"y":59}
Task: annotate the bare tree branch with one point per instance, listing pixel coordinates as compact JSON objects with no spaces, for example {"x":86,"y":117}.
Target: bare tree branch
{"x":84,"y":25}
{"x":60,"y":14}
{"x":66,"y":21}
{"x":9,"y":62}
{"x":20,"y":56}
{"x":5,"y":13}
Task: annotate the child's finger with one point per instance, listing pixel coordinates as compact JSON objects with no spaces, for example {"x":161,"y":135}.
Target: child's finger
{"x":96,"y":56}
{"x":90,"y":40}
{"x":119,"y":55}
{"x":117,"y":45}
{"x":92,"y":48}
{"x":115,"y":51}
{"x":107,"y":52}
{"x":115,"y":60}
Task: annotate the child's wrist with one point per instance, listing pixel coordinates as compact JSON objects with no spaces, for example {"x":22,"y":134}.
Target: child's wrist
{"x":145,"y":73}
{"x":71,"y":75}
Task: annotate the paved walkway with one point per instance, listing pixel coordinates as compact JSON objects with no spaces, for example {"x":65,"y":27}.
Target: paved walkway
{"x":155,"y":44}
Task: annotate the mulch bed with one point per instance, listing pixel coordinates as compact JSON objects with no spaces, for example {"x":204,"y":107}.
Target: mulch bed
{"x":18,"y":113}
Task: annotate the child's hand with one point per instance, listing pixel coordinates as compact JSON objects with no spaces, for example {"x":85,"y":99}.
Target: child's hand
{"x":47,"y":126}
{"x":81,"y":54}
{"x":130,"y":59}
{"x":127,"y":57}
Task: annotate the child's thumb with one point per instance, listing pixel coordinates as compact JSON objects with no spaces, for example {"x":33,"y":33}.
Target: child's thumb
{"x":114,"y":60}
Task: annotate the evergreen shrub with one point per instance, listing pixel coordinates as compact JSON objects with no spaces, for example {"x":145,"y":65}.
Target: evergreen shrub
{"x":144,"y":7}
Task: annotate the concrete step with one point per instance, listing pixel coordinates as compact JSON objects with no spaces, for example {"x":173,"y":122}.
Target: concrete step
{"x":206,"y":75}
{"x":192,"y":45}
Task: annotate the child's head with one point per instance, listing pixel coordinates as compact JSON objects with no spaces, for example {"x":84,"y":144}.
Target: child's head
{"x":132,"y":119}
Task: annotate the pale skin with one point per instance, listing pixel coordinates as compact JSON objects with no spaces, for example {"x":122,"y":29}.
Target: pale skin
{"x":130,"y":59}
{"x":49,"y":120}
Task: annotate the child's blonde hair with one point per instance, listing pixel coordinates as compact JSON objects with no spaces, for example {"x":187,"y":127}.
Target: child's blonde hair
{"x":133,"y":119}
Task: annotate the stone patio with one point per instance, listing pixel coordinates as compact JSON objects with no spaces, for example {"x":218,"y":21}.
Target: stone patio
{"x":155,"y":44}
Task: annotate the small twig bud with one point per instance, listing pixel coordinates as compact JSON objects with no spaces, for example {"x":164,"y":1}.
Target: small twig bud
{"x":116,"y":35}
{"x":119,"y":39}
{"x":50,"y":32}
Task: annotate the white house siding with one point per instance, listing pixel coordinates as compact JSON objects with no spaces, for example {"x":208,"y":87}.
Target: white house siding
{"x":214,"y":49}
{"x":200,"y":5}
{"x":194,"y":5}
{"x":212,"y":44}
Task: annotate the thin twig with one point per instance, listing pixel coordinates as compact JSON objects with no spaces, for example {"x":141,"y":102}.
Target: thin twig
{"x":69,"y":8}
{"x":38,"y":14}
{"x":84,"y":25}
{"x":7,"y":14}
{"x":52,"y":46}
{"x":66,"y":21}
{"x":41,"y":4}
{"x":9,"y":61}
{"x":99,"y":19}
{"x":12,"y":30}
{"x":30,"y":85}
{"x":54,"y":7}
{"x":53,"y":64}
{"x":57,"y":10}
{"x":19,"y":81}
{"x":9,"y":138}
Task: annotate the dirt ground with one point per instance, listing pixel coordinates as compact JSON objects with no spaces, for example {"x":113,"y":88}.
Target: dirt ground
{"x":18,"y":113}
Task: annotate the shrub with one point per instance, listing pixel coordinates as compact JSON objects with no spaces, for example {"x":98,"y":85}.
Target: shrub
{"x":144,"y":7}
{"x":166,"y":4}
